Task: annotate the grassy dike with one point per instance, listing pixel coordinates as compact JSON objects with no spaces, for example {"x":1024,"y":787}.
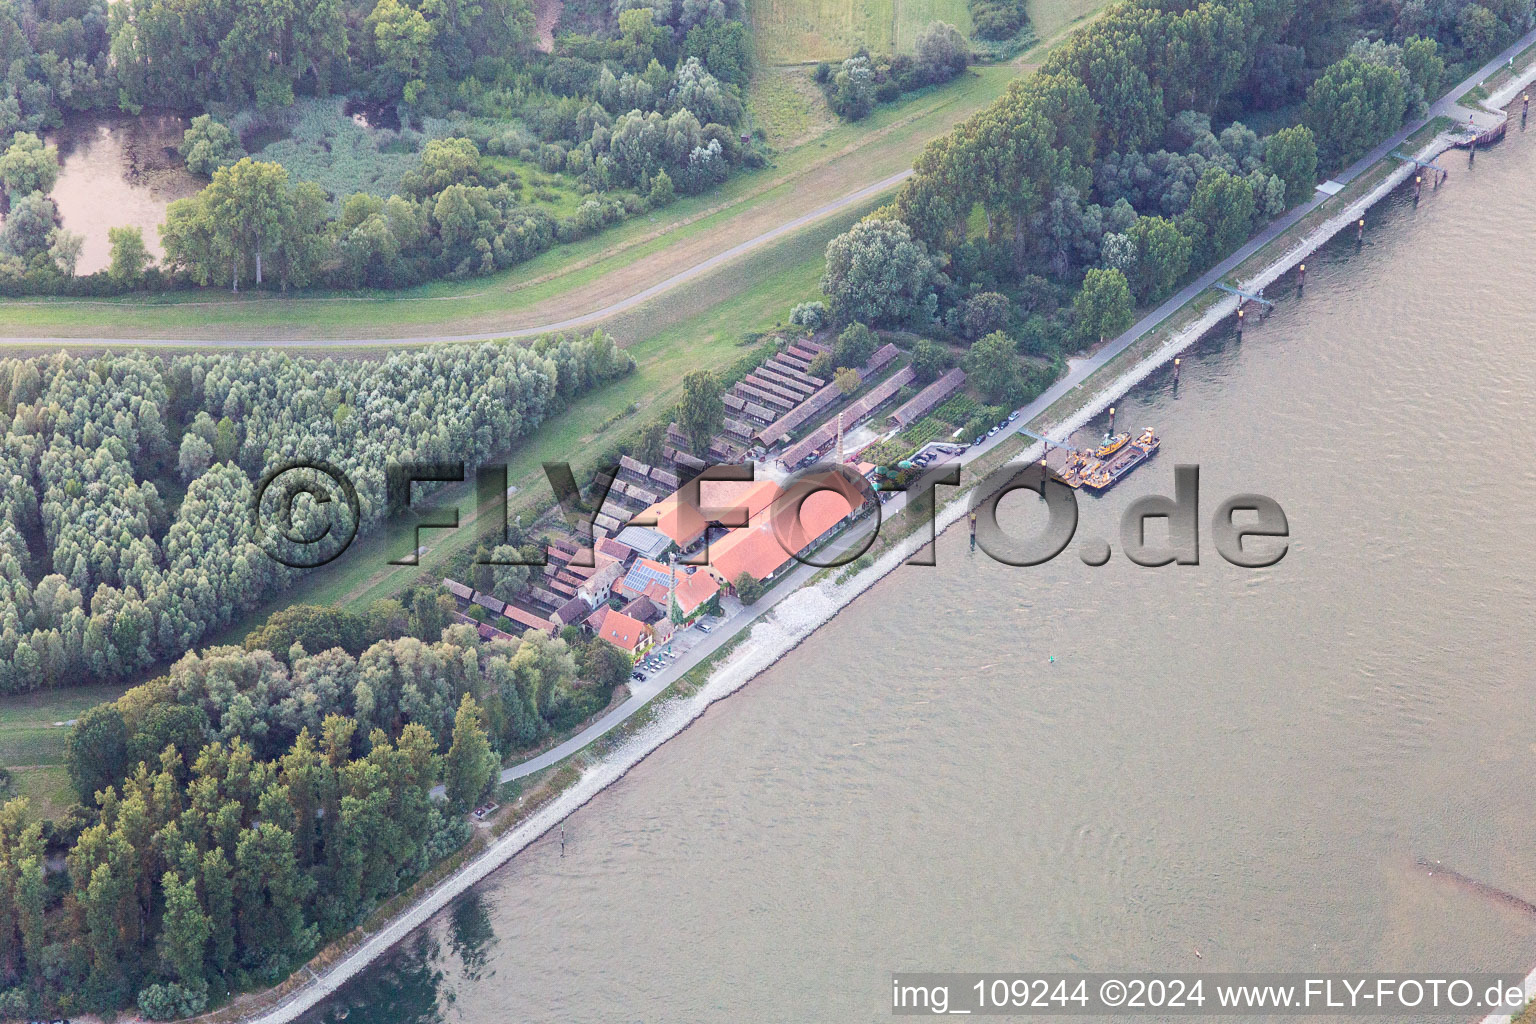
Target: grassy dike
{"x":569,"y":280}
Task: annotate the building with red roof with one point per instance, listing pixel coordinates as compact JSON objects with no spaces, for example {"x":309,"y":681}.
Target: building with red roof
{"x":797,"y":521}
{"x":629,"y":635}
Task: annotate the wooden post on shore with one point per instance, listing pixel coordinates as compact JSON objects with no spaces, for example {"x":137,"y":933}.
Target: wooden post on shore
{"x":1525,"y":111}
{"x":973,"y":531}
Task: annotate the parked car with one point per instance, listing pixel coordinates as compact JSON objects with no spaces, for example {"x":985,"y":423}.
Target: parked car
{"x":980,"y":439}
{"x":704,"y":628}
{"x":1012,"y":416}
{"x":993,"y":431}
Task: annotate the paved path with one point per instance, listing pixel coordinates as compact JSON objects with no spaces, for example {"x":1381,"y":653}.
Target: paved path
{"x":642,"y":694}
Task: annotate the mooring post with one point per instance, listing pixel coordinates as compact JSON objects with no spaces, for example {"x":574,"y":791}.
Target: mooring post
{"x":1301,"y":279}
{"x":1239,"y":318}
{"x":1525,"y":110}
{"x":1418,"y":186}
{"x":1175,"y":370}
{"x":1360,"y":230}
{"x":1111,"y":419}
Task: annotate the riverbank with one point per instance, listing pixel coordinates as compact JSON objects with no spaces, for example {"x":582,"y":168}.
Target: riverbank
{"x":804,"y":610}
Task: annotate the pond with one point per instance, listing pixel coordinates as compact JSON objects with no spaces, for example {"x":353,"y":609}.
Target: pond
{"x":117,"y":170}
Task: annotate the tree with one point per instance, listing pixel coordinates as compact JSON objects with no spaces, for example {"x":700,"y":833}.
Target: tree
{"x":404,"y":41}
{"x":445,"y":162}
{"x":847,"y":380}
{"x":650,"y":447}
{"x":1351,"y":105}
{"x":993,"y":366}
{"x":983,"y":313}
{"x":470,"y":765}
{"x":1103,"y":306}
{"x":1291,"y":155}
{"x":129,"y":256}
{"x":851,"y":91}
{"x":1160,"y":255}
{"x":603,"y":664}
{"x":28,"y":166}
{"x":208,"y":145}
{"x":28,"y":228}
{"x":182,"y":726}
{"x":942,"y":52}
{"x":662,"y":192}
{"x":195,"y":458}
{"x":98,"y":751}
{"x":1480,"y":30}
{"x":1223,"y":207}
{"x":854,"y":346}
{"x":748,"y":588}
{"x":929,"y":359}
{"x":701,"y":413}
{"x":1425,"y":66}
{"x":64,"y":248}
{"x":185,"y":930}
{"x":878,"y":273}
{"x":246,"y":215}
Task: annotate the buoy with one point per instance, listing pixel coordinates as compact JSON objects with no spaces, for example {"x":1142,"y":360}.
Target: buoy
{"x":1053,"y":659}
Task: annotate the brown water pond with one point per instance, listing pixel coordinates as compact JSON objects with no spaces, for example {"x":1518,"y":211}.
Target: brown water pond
{"x":118,"y":170}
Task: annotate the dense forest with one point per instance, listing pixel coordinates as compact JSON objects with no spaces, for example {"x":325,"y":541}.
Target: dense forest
{"x":1124,"y":166}
{"x":643,"y":106}
{"x":126,"y":481}
{"x":247,"y":807}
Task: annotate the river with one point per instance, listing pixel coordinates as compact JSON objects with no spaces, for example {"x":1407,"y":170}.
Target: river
{"x":977,"y":767}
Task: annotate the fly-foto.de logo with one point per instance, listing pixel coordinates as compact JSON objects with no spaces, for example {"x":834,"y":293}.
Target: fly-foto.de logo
{"x":307,"y":514}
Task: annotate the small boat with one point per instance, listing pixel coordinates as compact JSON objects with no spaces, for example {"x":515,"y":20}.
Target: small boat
{"x":1112,"y":443}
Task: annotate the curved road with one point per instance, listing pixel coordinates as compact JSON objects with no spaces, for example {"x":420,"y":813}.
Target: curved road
{"x":584,"y":320}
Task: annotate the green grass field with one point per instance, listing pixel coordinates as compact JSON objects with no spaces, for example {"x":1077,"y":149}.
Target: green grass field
{"x":566,"y":281}
{"x":32,"y":742}
{"x":807,"y":31}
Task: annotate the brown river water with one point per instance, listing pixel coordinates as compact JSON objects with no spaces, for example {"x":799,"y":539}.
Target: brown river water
{"x":1247,"y":763}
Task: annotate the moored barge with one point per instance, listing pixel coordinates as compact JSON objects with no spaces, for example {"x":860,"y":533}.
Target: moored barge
{"x":1092,"y":471}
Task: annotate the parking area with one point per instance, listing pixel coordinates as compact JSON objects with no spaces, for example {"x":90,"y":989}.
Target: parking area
{"x":664,"y":656}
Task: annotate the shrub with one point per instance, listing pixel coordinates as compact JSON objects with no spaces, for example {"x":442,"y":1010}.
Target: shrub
{"x":209,"y":145}
{"x":810,"y":315}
